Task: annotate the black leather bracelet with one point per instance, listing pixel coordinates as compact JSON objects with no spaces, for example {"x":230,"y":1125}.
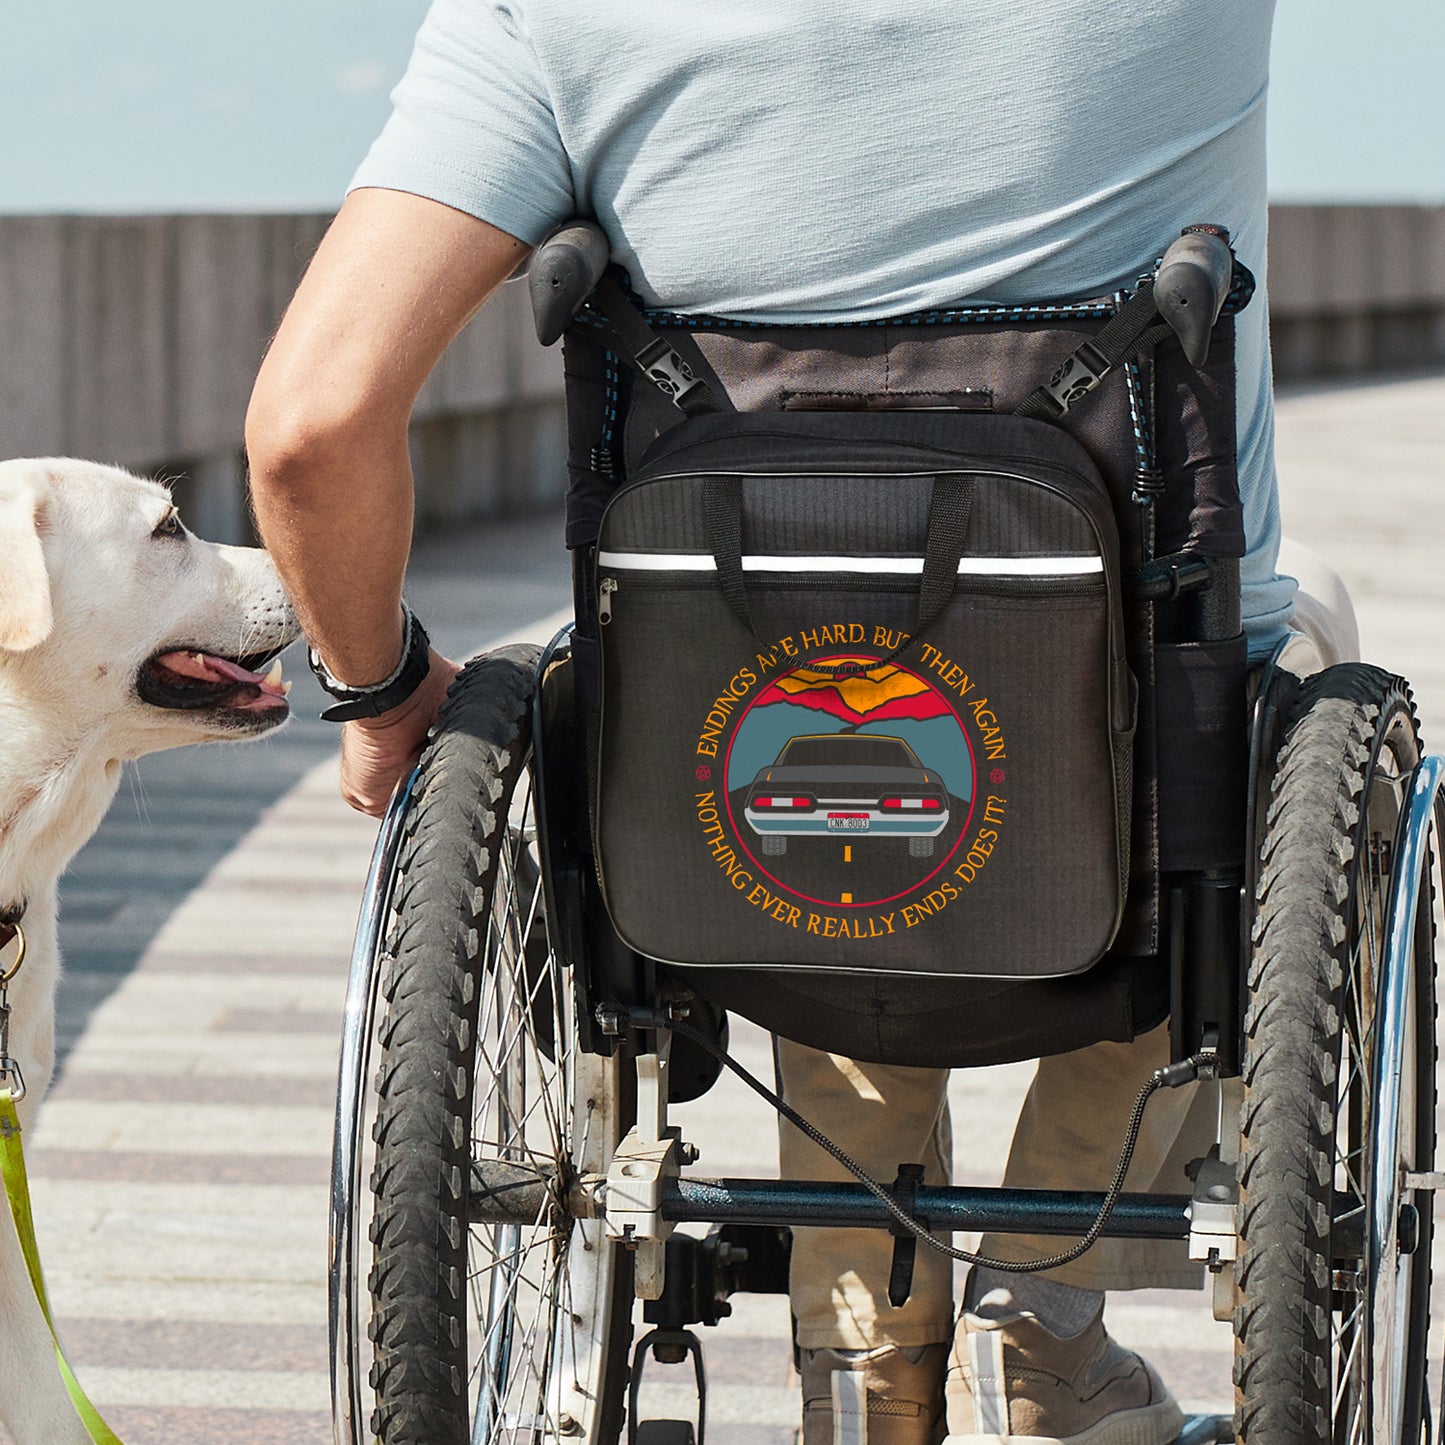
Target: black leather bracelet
{"x":379,"y":697}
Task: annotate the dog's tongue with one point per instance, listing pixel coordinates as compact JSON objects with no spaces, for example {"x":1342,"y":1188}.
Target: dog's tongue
{"x":205,"y":668}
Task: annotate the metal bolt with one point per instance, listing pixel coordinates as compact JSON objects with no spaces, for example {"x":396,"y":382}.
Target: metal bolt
{"x":569,"y":1424}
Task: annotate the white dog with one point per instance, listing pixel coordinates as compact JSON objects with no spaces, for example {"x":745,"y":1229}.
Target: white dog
{"x":120,"y":634}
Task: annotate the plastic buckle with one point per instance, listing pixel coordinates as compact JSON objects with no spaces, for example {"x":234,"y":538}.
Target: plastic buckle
{"x":668,"y":372}
{"x":1078,"y":374}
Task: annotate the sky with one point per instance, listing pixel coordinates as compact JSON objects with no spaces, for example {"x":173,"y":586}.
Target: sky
{"x":176,"y":105}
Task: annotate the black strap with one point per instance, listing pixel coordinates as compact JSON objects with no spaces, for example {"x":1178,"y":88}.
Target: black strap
{"x":1135,"y":329}
{"x":905,"y":1241}
{"x":948,"y":518}
{"x":722,"y":511}
{"x":949,"y":514}
{"x":360,"y":702}
{"x":649,"y":353}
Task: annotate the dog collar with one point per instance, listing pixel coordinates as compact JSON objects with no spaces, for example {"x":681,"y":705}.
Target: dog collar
{"x":379,"y":697}
{"x":10,"y":917}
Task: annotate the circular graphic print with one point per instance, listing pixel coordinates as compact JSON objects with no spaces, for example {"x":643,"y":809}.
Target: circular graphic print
{"x":850,"y":790}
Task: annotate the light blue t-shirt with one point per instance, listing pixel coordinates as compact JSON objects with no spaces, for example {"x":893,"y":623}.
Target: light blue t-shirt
{"x":786,"y":161}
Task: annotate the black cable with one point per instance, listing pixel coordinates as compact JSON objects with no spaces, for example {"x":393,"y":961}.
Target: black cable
{"x":1091,"y":1235}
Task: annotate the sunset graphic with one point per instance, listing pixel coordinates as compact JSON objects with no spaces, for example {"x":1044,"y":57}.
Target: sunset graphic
{"x":877,"y":695}
{"x":881,"y":699}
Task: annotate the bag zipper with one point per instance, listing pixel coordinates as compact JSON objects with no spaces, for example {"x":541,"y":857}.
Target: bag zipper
{"x":605,"y":588}
{"x":1084,"y":496}
{"x":689,"y":581}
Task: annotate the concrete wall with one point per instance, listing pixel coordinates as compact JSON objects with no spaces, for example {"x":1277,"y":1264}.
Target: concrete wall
{"x":135,"y":340}
{"x":1356,"y":289}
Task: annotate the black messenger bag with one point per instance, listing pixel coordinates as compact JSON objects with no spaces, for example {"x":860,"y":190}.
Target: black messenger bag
{"x":875,"y":627}
{"x":864,"y":697}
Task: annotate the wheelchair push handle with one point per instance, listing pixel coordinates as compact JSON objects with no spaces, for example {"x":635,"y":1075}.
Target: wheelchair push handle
{"x":564,"y":270}
{"x":1191,"y":286}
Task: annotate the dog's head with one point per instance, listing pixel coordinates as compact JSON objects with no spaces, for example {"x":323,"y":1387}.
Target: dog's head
{"x":113,"y":611}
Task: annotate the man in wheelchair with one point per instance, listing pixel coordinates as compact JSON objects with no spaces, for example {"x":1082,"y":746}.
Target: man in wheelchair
{"x":781,"y":185}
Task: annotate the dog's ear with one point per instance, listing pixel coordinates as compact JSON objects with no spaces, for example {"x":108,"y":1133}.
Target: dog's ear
{"x":25,"y":614}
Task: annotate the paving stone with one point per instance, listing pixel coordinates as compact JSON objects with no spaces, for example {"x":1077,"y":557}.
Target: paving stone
{"x":197,"y":1088}
{"x":147,"y":1426}
{"x":123,"y":1126}
{"x":210,"y":1389}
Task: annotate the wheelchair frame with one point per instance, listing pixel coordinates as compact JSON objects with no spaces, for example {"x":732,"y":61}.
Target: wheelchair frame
{"x":644,"y":1194}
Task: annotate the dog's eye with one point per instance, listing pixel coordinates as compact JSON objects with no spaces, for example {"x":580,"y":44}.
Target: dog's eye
{"x":168,"y":526}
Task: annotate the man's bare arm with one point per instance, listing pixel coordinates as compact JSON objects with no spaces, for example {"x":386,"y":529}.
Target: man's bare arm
{"x":393,"y":282}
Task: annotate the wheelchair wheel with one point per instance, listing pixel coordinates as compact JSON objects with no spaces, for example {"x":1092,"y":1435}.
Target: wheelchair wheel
{"x":1333,"y":1278}
{"x":487,"y":1331}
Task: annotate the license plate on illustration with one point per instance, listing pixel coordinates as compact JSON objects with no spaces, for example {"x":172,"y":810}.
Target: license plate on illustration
{"x":847,"y":822}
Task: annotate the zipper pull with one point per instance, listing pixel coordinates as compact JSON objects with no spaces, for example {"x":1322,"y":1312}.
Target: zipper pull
{"x":606,"y":587}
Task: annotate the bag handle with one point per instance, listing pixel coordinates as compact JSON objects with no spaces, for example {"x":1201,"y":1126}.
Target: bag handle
{"x":949,"y":513}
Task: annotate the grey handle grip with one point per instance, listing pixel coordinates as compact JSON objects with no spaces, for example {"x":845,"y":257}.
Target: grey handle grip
{"x":1191,"y":286}
{"x":564,"y":270}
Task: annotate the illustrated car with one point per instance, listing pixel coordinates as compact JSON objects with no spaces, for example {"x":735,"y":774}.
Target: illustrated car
{"x":849,"y":784}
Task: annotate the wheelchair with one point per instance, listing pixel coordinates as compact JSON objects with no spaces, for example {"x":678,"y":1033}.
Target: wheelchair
{"x":507,"y":1184}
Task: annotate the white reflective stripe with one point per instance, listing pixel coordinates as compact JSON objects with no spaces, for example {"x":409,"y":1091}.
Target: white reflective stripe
{"x":1072,"y":566}
{"x":658,"y":561}
{"x":1030,"y":566}
{"x":902,"y":566}
{"x":850,"y":1407}
{"x":990,"y":1393}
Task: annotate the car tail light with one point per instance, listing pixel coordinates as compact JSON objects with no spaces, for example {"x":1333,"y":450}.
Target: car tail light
{"x":931,"y":805}
{"x":892,"y":802}
{"x":771,"y":802}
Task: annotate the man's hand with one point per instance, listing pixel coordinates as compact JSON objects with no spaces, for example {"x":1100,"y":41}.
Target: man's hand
{"x":377,"y":753}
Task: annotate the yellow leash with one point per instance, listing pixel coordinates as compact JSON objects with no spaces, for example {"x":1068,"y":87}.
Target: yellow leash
{"x":17,"y":1197}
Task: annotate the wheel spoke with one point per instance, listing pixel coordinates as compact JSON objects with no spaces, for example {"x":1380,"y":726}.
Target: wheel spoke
{"x":1348,"y":1411}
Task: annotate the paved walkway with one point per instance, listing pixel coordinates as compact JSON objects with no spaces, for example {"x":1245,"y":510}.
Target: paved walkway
{"x":181,"y":1162}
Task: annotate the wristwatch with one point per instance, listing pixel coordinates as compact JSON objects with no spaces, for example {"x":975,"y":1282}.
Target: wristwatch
{"x":379,"y":697}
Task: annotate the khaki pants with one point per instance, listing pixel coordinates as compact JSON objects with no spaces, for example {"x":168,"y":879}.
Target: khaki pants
{"x":1068,"y":1136}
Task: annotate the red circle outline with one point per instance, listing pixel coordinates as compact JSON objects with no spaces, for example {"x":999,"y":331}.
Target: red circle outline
{"x":875,"y":902}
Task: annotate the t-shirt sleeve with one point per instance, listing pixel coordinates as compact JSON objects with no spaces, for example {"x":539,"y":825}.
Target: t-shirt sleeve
{"x":472,"y":124}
